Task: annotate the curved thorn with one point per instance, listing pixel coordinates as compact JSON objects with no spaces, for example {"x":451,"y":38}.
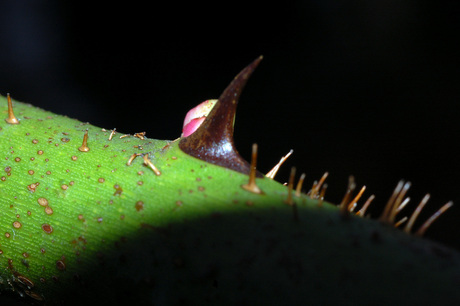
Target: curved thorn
{"x":213,"y":140}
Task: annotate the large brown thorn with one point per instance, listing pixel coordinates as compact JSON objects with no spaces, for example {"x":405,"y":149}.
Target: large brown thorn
{"x":213,"y":140}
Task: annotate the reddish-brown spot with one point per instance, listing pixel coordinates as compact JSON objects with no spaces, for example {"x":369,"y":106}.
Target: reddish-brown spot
{"x":118,"y":190}
{"x":7,"y":235}
{"x":179,"y":203}
{"x":60,"y":265}
{"x":33,"y":187}
{"x":74,"y":157}
{"x":139,"y":205}
{"x":249,"y":203}
{"x":48,"y":210}
{"x":17,"y":159}
{"x":32,"y":158}
{"x":40,"y":152}
{"x":17,"y":224}
{"x":201,"y":188}
{"x":7,"y":169}
{"x":34,"y":141}
{"x":101,"y":180}
{"x":65,"y":139}
{"x":64,"y":187}
{"x":31,"y":172}
{"x":25,"y":281}
{"x":43,"y":201}
{"x":47,"y":228}
{"x":99,"y":220}
{"x":140,"y":183}
{"x":48,"y":172}
{"x":25,"y":255}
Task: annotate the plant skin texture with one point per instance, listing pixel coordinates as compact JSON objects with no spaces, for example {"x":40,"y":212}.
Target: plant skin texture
{"x":93,"y":215}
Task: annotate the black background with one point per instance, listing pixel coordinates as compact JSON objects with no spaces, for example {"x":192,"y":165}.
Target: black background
{"x":363,"y":88}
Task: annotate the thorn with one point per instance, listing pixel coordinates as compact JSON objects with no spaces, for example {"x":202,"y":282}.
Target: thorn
{"x":271,"y":174}
{"x":352,"y":204}
{"x":321,"y":195}
{"x":130,"y":160}
{"x":416,"y":212}
{"x":213,"y":140}
{"x":148,"y":163}
{"x":363,"y":209}
{"x":123,"y":136}
{"x":84,"y":146}
{"x":316,"y":187}
{"x":435,"y":216}
{"x":251,"y":186}
{"x":112,"y":134}
{"x":298,"y":189}
{"x":289,"y":200}
{"x":11,"y":117}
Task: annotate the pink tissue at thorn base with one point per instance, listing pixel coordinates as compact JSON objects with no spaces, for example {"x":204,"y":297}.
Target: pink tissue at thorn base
{"x":196,"y":116}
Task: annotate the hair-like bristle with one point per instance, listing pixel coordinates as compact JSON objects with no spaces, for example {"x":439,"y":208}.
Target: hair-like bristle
{"x":112,"y":133}
{"x":435,"y":216}
{"x":11,"y":117}
{"x":271,"y":174}
{"x":84,"y":147}
{"x":298,"y":189}
{"x":130,"y":160}
{"x":346,"y":198}
{"x":416,"y":212}
{"x":363,"y":209}
{"x":386,"y":211}
{"x":149,"y":163}
{"x":322,"y":194}
{"x":397,"y":203}
{"x":353,"y":203}
{"x":397,"y":224}
{"x":251,"y":186}
{"x":317,"y":186}
{"x":290,"y":185}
